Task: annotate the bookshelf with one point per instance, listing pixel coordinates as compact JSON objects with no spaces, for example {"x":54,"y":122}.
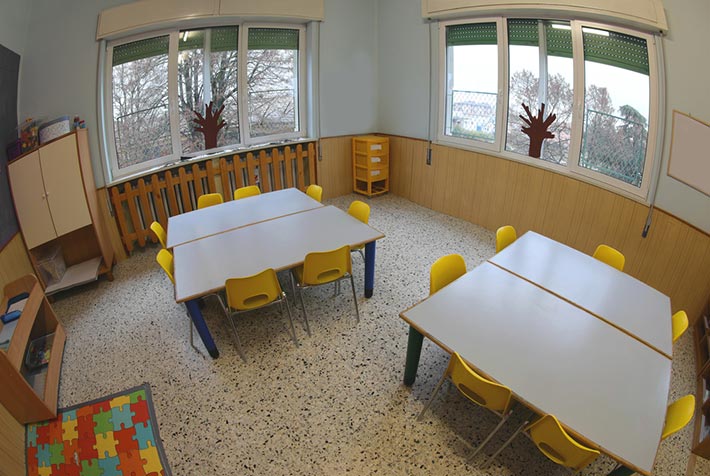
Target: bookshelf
{"x":30,"y":394}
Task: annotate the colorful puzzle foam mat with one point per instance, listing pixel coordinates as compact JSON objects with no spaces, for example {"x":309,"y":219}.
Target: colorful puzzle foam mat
{"x":111,"y":436}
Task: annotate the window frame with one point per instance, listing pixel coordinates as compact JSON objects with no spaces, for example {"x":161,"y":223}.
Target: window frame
{"x":572,"y":168}
{"x":117,"y":174}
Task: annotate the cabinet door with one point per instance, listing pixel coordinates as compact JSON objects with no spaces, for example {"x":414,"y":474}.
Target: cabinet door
{"x":64,"y":185}
{"x":30,"y":200}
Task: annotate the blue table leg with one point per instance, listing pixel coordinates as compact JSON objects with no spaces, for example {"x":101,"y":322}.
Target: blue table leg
{"x":369,"y":268}
{"x":414,"y":351}
{"x":193,"y":308}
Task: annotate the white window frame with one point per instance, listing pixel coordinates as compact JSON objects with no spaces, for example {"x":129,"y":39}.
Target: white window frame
{"x":242,"y":96}
{"x":572,"y":168}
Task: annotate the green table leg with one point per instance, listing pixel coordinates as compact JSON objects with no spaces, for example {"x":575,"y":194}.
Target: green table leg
{"x":414,"y":350}
{"x":622,"y":471}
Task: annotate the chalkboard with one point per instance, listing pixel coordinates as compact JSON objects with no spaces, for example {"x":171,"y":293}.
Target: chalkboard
{"x":9,"y":69}
{"x":689,"y":160}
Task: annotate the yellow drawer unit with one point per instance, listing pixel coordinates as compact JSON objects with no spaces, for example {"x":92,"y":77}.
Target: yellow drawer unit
{"x":371,"y":162}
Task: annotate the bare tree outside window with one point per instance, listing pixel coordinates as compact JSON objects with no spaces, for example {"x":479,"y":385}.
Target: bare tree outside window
{"x":273,"y":91}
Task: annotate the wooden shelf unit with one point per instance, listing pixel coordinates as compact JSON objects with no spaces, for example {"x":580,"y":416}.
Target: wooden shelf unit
{"x":57,"y":206}
{"x":371,"y":163}
{"x":701,"y":435}
{"x":25,"y":403}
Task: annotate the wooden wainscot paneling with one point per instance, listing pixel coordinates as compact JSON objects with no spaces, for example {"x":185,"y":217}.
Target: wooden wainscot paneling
{"x":334,"y":166}
{"x":12,"y":445}
{"x":491,"y":192}
{"x":14,"y":261}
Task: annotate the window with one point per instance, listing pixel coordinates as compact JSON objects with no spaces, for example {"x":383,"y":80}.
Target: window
{"x":609,"y":72}
{"x":158,"y":89}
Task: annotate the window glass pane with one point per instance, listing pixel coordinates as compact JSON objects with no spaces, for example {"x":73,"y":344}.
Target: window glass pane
{"x":472,"y":81}
{"x":223,"y":68}
{"x":617,"y":105}
{"x":191,"y":73}
{"x":139,"y":97}
{"x":528,"y":63}
{"x":272,"y":72}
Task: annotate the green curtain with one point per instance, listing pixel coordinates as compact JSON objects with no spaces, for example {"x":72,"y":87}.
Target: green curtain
{"x":140,"y":49}
{"x":273,"y":39}
{"x":617,"y":49}
{"x":471,"y":34}
{"x":526,"y":32}
{"x":221,"y":39}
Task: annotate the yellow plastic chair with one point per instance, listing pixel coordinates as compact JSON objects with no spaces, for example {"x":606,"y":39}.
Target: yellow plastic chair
{"x":554,"y":442}
{"x":481,"y":391}
{"x":322,"y":268}
{"x":678,"y":414}
{"x":209,"y":199}
{"x":445,"y":270}
{"x":159,"y":232}
{"x":607,"y":254}
{"x":253,"y":292}
{"x":505,"y":235}
{"x":361,"y":211}
{"x":680,"y":324}
{"x":315,"y":192}
{"x":248,"y":191}
{"x":165,"y":260}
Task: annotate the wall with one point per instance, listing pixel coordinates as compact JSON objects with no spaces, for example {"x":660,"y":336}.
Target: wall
{"x":404,"y":65}
{"x":14,"y":23}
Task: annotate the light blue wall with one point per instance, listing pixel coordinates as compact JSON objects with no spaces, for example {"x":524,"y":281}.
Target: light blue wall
{"x":14,"y":21}
{"x":403,"y":106}
{"x":348,"y":68}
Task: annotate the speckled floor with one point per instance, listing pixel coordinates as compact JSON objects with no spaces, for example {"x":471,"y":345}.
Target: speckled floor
{"x":333,"y":405}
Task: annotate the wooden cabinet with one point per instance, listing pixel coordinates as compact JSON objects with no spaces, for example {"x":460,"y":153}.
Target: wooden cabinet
{"x":701,"y":436}
{"x":57,"y":207}
{"x":31,"y":394}
{"x":371,"y":163}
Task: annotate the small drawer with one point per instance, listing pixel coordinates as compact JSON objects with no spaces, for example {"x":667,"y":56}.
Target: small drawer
{"x":371,"y":174}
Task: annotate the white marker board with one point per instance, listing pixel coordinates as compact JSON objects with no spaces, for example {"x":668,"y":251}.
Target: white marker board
{"x":689,"y":160}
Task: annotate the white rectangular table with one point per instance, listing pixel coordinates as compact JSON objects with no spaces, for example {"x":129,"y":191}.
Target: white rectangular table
{"x":233,"y":214}
{"x":202,"y":266}
{"x":602,"y":384}
{"x":616,"y":297}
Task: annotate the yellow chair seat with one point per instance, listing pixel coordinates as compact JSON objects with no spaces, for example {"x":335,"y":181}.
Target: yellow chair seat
{"x":248,"y":191}
{"x":680,"y":324}
{"x":505,"y":235}
{"x":165,"y":260}
{"x":159,"y":232}
{"x":607,"y":254}
{"x":553,"y":441}
{"x":315,"y":192}
{"x":445,"y":270}
{"x":209,"y":199}
{"x":678,"y":415}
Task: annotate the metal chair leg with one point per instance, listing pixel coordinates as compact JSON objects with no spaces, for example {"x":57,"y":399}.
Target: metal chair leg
{"x":305,"y":314}
{"x":433,"y":395}
{"x":505,"y":445}
{"x":491,"y":435}
{"x":234,"y":329}
{"x":357,"y":309}
{"x":192,"y":339}
{"x":290,"y":319}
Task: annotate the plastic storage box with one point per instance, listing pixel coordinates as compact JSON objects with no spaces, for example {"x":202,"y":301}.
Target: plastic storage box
{"x":54,"y":128}
{"x":51,"y":264}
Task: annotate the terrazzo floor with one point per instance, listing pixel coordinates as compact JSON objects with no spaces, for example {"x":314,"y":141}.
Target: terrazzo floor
{"x":333,"y":405}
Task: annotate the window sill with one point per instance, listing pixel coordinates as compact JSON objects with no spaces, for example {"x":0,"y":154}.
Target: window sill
{"x":204,"y":155}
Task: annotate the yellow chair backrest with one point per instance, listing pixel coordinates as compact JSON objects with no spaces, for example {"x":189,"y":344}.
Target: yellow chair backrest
{"x":248,"y":191}
{"x":209,"y":199}
{"x":445,"y":270}
{"x":254,"y":291}
{"x":554,"y":442}
{"x":159,"y":231}
{"x":315,"y":192}
{"x":680,"y":324}
{"x":479,"y":390}
{"x":325,"y":266}
{"x":610,"y":256}
{"x":678,"y":415}
{"x":360,"y":210}
{"x":165,"y":260}
{"x":505,"y":235}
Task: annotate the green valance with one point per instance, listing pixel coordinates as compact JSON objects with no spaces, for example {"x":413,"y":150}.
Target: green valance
{"x":140,"y":49}
{"x":273,"y":39}
{"x":617,"y":49}
{"x":471,"y":34}
{"x":221,"y":39}
{"x":527,"y":32}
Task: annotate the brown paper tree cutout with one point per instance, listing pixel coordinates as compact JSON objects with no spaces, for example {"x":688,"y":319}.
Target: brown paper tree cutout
{"x":210,"y":124}
{"x":537,"y":129}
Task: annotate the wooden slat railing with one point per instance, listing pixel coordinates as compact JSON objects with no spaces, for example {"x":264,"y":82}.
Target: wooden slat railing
{"x":137,"y":203}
